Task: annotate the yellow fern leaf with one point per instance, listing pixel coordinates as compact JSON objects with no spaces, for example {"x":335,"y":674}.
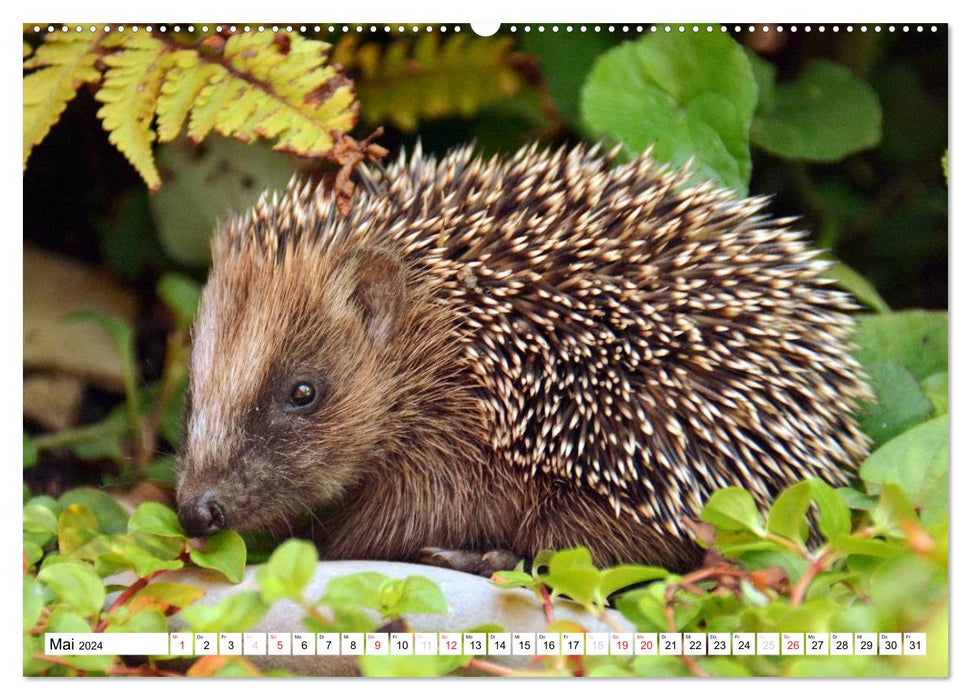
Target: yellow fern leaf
{"x":131,"y":87}
{"x":64,"y":62}
{"x":187,"y":77}
{"x":275,"y":86}
{"x":430,"y":79}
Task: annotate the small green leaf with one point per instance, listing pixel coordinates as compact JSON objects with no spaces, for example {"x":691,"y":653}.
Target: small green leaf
{"x":844,"y":545}
{"x":235,"y":613}
{"x":691,"y":96}
{"x":733,"y":509}
{"x":856,"y":500}
{"x":39,"y":520}
{"x":363,"y":590}
{"x":131,"y":556}
{"x":917,"y":461}
{"x":900,"y":402}
{"x":415,"y":594}
{"x":166,"y":594}
{"x":224,"y":551}
{"x":824,"y":115}
{"x":76,"y":585}
{"x":112,"y":518}
{"x":787,"y":517}
{"x":33,"y":602}
{"x":893,"y":510}
{"x":619,"y":577}
{"x":181,"y":294}
{"x":127,"y":620}
{"x":572,"y":573}
{"x":76,"y":527}
{"x":155,"y":519}
{"x":834,"y":516}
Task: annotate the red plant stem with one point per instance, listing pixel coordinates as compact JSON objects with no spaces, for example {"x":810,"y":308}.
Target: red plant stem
{"x":544,"y":593}
{"x":799,"y":592}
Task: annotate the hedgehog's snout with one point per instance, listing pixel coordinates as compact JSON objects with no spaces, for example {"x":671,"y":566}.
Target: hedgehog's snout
{"x":202,"y":515}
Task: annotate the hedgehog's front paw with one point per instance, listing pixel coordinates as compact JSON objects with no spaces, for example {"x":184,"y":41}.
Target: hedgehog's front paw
{"x":481,"y":563}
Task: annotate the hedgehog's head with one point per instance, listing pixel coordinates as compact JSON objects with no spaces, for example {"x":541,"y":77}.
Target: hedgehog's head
{"x":292,"y":380}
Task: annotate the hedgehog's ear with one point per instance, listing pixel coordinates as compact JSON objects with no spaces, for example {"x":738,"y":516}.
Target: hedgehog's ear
{"x":379,"y":291}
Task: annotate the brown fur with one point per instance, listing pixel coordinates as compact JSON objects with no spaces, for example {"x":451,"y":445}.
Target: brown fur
{"x":460,"y":411}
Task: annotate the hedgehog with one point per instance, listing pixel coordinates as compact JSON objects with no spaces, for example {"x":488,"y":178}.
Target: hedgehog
{"x":488,"y":358}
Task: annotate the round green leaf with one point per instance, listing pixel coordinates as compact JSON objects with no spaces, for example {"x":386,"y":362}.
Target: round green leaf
{"x":155,"y":519}
{"x":917,"y":462}
{"x":76,"y":527}
{"x":38,"y":519}
{"x":76,"y":585}
{"x":112,"y":518}
{"x":235,"y":613}
{"x":915,"y":340}
{"x":225,"y":551}
{"x":691,"y":96}
{"x":733,"y":509}
{"x":415,"y":594}
{"x":825,"y":115}
{"x":292,"y":564}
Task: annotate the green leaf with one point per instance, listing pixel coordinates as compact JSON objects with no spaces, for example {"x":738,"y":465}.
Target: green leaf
{"x":858,"y":285}
{"x":112,"y":519}
{"x":824,"y":116}
{"x":900,"y":402}
{"x":935,"y":389}
{"x":155,"y":519}
{"x":893,"y":510}
{"x":915,"y":340}
{"x":75,"y":527}
{"x":130,"y":556}
{"x":125,"y":619}
{"x":363,"y":590}
{"x":690,"y":95}
{"x":917,"y":462}
{"x":224,"y":551}
{"x":844,"y":545}
{"x":834,"y":516}
{"x":76,"y":585}
{"x":39,"y":520}
{"x":415,"y":594}
{"x":856,"y":500}
{"x":572,"y":573}
{"x":619,"y":577}
{"x":33,"y":601}
{"x":787,"y":517}
{"x":235,"y":613}
{"x":288,"y":570}
{"x":30,"y":452}
{"x":181,"y":294}
{"x":733,"y":509}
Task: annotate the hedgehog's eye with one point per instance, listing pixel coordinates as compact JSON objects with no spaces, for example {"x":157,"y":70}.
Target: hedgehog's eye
{"x":303,"y":397}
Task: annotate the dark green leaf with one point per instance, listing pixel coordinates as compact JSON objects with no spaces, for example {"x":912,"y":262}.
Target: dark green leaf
{"x":30,"y":452}
{"x":112,"y":519}
{"x":825,"y":115}
{"x":900,"y":402}
{"x":690,"y":95}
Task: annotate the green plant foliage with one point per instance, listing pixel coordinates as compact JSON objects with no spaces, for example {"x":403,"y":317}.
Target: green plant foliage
{"x":431,"y":78}
{"x":224,"y":551}
{"x":915,"y":340}
{"x":900,"y":402}
{"x":566,"y":59}
{"x":691,"y":96}
{"x":274,"y":85}
{"x":824,"y":115}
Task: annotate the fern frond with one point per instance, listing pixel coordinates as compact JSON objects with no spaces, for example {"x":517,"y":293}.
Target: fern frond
{"x":430,"y":78}
{"x":61,"y":64}
{"x":270,"y":85}
{"x":274,"y":89}
{"x":131,"y":87}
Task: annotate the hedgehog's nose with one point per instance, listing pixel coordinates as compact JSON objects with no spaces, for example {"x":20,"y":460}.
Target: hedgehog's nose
{"x":202,"y":515}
